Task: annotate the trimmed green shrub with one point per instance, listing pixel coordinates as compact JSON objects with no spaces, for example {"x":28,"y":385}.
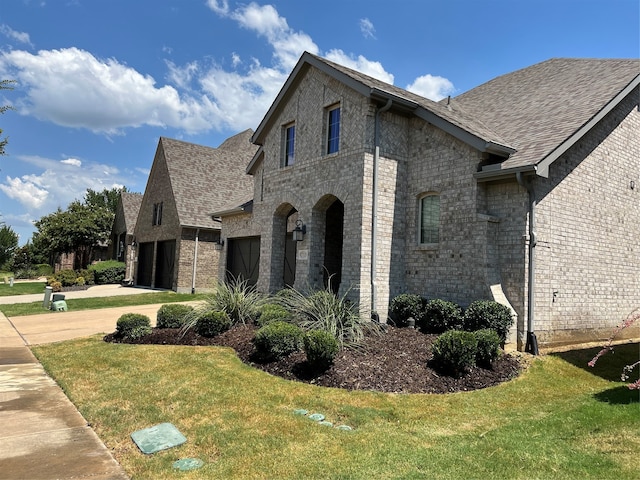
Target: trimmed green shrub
{"x":108,"y":272}
{"x":488,"y":346}
{"x":277,"y":340}
{"x":56,"y":286}
{"x":321,"y":348}
{"x":43,"y":270}
{"x":80,"y":281}
{"x":407,"y":305}
{"x":66,"y":277}
{"x":271,"y":312}
{"x":455,"y":351}
{"x":440,"y":316}
{"x":132,"y":326}
{"x":88,"y":275}
{"x":488,"y":314}
{"x":172,"y":315}
{"x":212,"y":323}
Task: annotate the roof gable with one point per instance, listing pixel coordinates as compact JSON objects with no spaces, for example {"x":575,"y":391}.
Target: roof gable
{"x":130,"y":203}
{"x":204,"y":179}
{"x":543,"y":109}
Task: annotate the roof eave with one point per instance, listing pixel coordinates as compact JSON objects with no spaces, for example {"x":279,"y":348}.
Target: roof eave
{"x":492,"y":174}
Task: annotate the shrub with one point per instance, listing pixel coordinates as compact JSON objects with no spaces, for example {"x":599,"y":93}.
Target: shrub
{"x":407,"y":305}
{"x":237,"y":298}
{"x":131,"y":326}
{"x":488,"y":314}
{"x":80,"y":281}
{"x":25,"y":273}
{"x":440,"y":316}
{"x":56,"y":286}
{"x":321,"y":348}
{"x":172,"y":315}
{"x":488,"y":346}
{"x":455,"y":351}
{"x":43,"y":270}
{"x":271,"y":312}
{"x":212,"y":323}
{"x":108,"y":272}
{"x":323,"y":310}
{"x":88,"y":275}
{"x":277,"y":340}
{"x":66,"y":277}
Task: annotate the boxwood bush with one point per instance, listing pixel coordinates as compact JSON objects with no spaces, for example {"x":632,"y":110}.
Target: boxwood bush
{"x":131,"y":326}
{"x":407,"y":305}
{"x":108,"y":272}
{"x":488,"y":348}
{"x":440,"y":316}
{"x":277,"y":340}
{"x":271,"y":312}
{"x":488,"y":314}
{"x":455,"y":351}
{"x":212,"y":323}
{"x":66,"y":277}
{"x":321,"y":348}
{"x":172,"y":315}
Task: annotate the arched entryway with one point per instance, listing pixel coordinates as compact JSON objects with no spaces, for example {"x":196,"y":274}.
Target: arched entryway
{"x":283,"y":247}
{"x":329,"y":213}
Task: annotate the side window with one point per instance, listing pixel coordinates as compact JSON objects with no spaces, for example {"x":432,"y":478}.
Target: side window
{"x":289,"y":145}
{"x":429,"y":218}
{"x":333,"y":130}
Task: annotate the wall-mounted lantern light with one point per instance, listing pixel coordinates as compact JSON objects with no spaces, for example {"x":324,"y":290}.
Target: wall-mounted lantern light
{"x":299,"y":231}
{"x":219,"y":244}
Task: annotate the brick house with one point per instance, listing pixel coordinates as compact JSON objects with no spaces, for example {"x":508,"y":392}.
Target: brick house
{"x":525,"y":190}
{"x":123,"y":231}
{"x":177,"y":240}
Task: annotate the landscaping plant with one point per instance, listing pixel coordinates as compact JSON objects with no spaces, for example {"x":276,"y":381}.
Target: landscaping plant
{"x":407,"y":305}
{"x":212,"y":323}
{"x":173,"y":315}
{"x":277,"y":340}
{"x":488,"y":314}
{"x":455,"y":351}
{"x":270,"y":312}
{"x":488,"y":348}
{"x":321,"y":348}
{"x":440,"y":316}
{"x":133,"y":325}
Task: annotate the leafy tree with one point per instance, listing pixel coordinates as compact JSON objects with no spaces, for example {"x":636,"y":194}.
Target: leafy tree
{"x":8,"y":243}
{"x":5,"y":85}
{"x":105,"y":199}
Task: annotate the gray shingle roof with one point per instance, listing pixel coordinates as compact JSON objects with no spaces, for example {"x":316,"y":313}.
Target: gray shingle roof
{"x":538,"y":108}
{"x":204,"y":179}
{"x":131,"y":203}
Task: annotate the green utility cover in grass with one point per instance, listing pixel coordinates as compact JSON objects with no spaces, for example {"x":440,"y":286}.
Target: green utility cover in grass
{"x":159,"y":437}
{"x":185,"y":464}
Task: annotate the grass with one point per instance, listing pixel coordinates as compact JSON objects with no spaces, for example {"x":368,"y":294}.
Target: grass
{"x":21,"y":288}
{"x":34,"y":308}
{"x":559,"y":420}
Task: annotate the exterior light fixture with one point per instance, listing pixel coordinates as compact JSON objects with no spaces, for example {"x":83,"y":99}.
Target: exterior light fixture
{"x":219,"y":244}
{"x":632,"y":184}
{"x":299,"y":231}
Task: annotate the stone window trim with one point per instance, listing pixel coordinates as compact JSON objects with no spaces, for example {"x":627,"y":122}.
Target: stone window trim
{"x":288,"y":144}
{"x":428,"y":221}
{"x":332,"y":124}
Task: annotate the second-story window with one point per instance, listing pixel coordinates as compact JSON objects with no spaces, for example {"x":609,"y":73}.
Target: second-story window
{"x":289,"y":145}
{"x":333,"y":130}
{"x":157,"y":214}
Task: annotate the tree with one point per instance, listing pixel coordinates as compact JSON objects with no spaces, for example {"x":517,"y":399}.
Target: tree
{"x":79,"y":228}
{"x":5,"y":85}
{"x":8,"y":243}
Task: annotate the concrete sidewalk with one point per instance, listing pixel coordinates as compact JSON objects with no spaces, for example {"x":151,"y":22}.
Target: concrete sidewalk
{"x":91,"y":292}
{"x":43,"y":436}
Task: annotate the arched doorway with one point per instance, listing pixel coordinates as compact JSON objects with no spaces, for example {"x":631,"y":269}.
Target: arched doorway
{"x":333,"y":240}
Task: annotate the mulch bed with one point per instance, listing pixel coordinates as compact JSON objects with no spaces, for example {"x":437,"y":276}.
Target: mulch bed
{"x":397,"y":361}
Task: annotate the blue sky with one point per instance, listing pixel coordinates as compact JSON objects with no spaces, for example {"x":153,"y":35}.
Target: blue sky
{"x":99,"y":81}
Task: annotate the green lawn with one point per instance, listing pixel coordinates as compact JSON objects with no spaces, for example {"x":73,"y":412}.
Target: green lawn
{"x":21,"y":288}
{"x":559,"y":420}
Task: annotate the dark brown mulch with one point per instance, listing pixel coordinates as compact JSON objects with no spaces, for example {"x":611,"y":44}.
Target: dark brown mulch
{"x":396,"y":361}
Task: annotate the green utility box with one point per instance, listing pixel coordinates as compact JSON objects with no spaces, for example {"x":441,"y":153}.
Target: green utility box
{"x":59,"y":306}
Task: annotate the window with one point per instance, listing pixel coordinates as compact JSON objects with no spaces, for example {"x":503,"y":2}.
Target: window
{"x":429,"y":218}
{"x":157,"y":214}
{"x":333,"y":130}
{"x":289,"y":145}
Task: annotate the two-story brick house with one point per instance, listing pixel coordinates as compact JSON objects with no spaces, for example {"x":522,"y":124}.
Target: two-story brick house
{"x":177,"y":240}
{"x":525,"y":189}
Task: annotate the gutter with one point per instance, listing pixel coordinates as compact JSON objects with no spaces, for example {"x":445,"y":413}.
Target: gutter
{"x":374,"y":219}
{"x":532,"y":342}
{"x":195,"y":263}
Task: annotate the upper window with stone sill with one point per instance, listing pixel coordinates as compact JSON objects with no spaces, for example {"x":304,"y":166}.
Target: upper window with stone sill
{"x":333,"y":129}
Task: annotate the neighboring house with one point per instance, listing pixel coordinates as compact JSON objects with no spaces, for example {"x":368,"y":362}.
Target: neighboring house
{"x":177,"y":239}
{"x":525,"y":189}
{"x":122,"y":235}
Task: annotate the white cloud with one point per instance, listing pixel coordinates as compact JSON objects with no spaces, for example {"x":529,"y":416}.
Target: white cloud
{"x":221,"y":7}
{"x":432,"y":87}
{"x":367,"y":28}
{"x":20,"y":37}
{"x":59,"y":182}
{"x":361,"y":64}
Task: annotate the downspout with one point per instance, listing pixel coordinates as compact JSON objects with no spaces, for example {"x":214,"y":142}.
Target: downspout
{"x":374,"y":219}
{"x":532,"y":343}
{"x":195,"y":263}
